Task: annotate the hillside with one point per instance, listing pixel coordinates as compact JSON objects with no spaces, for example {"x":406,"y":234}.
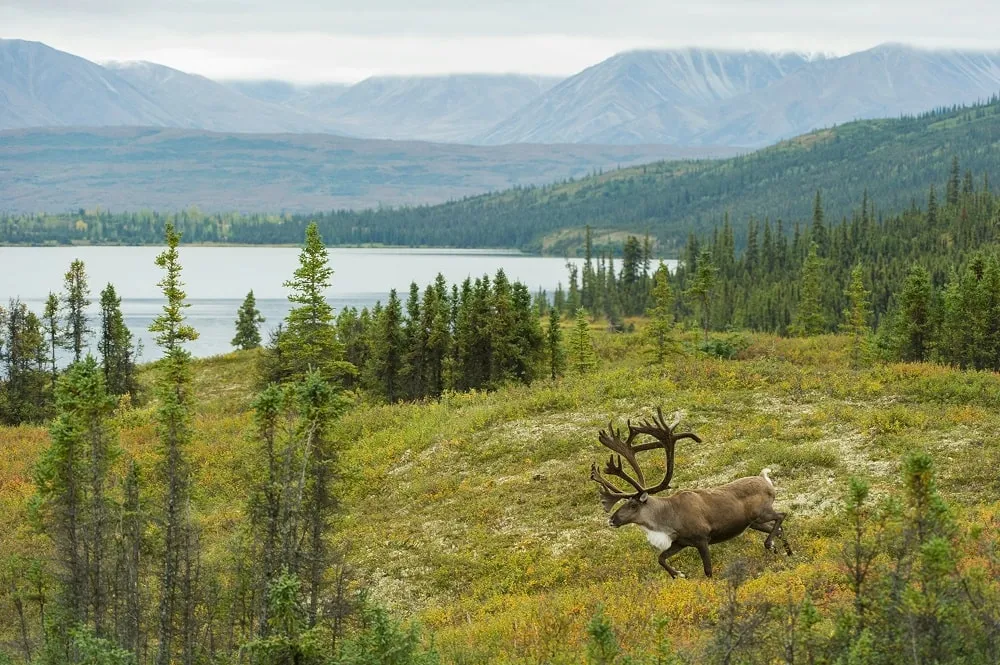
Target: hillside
{"x":750,"y":99}
{"x":195,"y":102}
{"x":55,"y":170}
{"x":895,"y":160}
{"x":684,"y":85}
{"x":450,"y":109}
{"x":485,"y":527}
{"x":41,"y":86}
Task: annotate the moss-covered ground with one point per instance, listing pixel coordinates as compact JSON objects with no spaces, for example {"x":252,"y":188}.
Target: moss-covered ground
{"x":474,"y":514}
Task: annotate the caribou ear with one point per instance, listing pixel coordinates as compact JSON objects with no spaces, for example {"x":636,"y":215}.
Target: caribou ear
{"x":609,"y":501}
{"x":643,"y":497}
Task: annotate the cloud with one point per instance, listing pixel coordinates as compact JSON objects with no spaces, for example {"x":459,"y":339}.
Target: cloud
{"x":313,"y":40}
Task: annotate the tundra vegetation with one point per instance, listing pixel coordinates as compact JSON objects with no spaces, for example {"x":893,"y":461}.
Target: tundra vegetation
{"x":288,"y":504}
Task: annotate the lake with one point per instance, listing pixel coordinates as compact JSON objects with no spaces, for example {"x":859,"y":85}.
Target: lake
{"x":217,"y":279}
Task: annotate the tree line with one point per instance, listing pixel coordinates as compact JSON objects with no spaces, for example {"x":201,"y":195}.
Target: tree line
{"x":30,"y":348}
{"x":920,"y":279}
{"x":479,"y":335}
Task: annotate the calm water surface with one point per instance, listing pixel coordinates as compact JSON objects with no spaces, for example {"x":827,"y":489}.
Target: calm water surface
{"x":217,"y":279}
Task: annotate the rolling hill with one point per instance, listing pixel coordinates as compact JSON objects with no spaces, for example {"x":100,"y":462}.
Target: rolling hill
{"x":896,"y":161}
{"x":55,"y":170}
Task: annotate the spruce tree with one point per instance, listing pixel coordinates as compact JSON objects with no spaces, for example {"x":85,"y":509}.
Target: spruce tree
{"x":309,"y":339}
{"x":73,"y":506}
{"x":751,"y":257}
{"x":118,"y":351}
{"x":582,"y":358}
{"x":53,"y":332}
{"x":857,"y":316}
{"x":819,"y":232}
{"x":59,"y":478}
{"x":559,"y":299}
{"x":415,"y":345}
{"x":320,"y":403}
{"x":173,"y":416}
{"x":661,"y":315}
{"x":501,"y":330}
{"x":384,"y":375}
{"x":527,"y":338}
{"x":702,"y":288}
{"x":573,"y":298}
{"x":25,"y":395}
{"x":932,"y":209}
{"x":248,"y":320}
{"x":953,"y":182}
{"x":612,"y":300}
{"x":809,"y":317}
{"x":914,"y":319}
{"x":352,"y":330}
{"x":477,"y":363}
{"x":75,"y":303}
{"x":553,"y":345}
{"x":131,"y":528}
{"x":630,"y":280}
{"x":436,"y":312}
{"x":588,"y":295}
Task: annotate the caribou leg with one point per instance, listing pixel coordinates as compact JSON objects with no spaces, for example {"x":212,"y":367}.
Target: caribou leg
{"x":666,"y":554}
{"x":706,"y":558}
{"x":775,"y":530}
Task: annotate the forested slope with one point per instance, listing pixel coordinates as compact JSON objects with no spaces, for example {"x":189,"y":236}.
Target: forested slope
{"x":895,"y":160}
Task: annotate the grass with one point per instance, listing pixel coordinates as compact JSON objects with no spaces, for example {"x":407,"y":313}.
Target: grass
{"x":474,"y":514}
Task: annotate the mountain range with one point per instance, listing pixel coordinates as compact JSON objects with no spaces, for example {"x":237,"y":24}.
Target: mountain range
{"x":686,"y":97}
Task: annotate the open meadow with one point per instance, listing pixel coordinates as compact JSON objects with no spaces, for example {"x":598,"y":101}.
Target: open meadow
{"x":474,"y":516}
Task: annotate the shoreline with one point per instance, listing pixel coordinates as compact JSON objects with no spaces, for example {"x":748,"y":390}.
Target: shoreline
{"x":450,"y":248}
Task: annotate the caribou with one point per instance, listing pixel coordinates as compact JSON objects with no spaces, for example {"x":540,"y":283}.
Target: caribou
{"x":688,"y":518}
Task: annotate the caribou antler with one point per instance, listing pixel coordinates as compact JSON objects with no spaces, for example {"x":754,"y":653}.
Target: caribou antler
{"x":612,"y":438}
{"x":666,"y":438}
{"x":610,"y":495}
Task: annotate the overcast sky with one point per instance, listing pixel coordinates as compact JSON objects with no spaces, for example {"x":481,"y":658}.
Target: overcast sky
{"x":332,"y":40}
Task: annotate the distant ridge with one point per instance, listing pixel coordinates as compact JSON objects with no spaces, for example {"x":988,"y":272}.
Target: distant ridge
{"x":752,"y":99}
{"x":132,"y":168}
{"x":602,"y":100}
{"x":677,"y":97}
